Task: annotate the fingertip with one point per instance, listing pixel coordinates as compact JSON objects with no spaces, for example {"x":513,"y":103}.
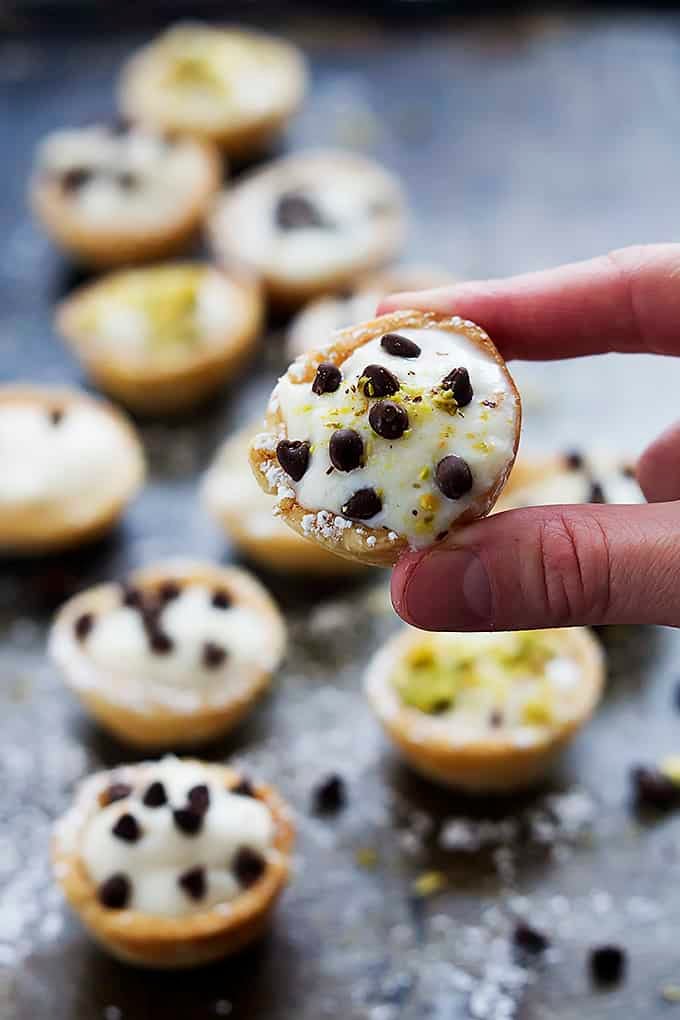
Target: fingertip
{"x":404,"y":569}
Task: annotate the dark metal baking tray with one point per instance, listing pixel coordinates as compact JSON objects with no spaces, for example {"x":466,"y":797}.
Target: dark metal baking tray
{"x":523,"y":142}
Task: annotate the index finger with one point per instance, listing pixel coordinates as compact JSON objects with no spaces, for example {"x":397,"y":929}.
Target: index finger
{"x":628,"y":301}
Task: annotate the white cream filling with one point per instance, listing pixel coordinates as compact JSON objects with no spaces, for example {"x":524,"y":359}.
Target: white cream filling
{"x":166,"y":176}
{"x":154,"y":862}
{"x":403,"y":470}
{"x":117,"y":652}
{"x":342,"y":194}
{"x":70,"y":468}
{"x":558,"y":686}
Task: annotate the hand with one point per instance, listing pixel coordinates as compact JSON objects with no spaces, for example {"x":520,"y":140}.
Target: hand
{"x":559,"y":566}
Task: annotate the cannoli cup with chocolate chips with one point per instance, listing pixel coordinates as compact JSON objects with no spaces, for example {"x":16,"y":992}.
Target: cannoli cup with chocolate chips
{"x":310,"y":223}
{"x":485,"y":713}
{"x":173,"y":864}
{"x":113,"y":194}
{"x":397,"y":431}
{"x":175,"y":656}
{"x":575,"y":476}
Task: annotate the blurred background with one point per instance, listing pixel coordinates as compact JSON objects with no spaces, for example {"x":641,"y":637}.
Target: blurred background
{"x":523,"y":140}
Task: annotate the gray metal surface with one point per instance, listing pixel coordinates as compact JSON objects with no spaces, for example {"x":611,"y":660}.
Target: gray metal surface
{"x":522,"y":143}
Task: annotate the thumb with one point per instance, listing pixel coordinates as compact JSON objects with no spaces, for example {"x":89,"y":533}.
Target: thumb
{"x":555,"y":566}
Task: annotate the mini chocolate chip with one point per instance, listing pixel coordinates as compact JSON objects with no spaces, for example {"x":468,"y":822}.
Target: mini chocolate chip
{"x":453,"y":477}
{"x":75,"y":179}
{"x":115,"y":892}
{"x":495,"y":719}
{"x":132,"y":597}
{"x":295,"y":211}
{"x":378,"y":381}
{"x":193,"y":882}
{"x":127,"y":828}
{"x":187,"y":820}
{"x":198,"y":798}
{"x":248,"y":865}
{"x":489,"y":403}
{"x":244,"y":788}
{"x":596,"y":494}
{"x":114,"y":792}
{"x":327,"y":379}
{"x":607,"y":964}
{"x":221,"y":599}
{"x":330,"y":795}
{"x":364,"y":504}
{"x":573,"y":460}
{"x":529,"y":939}
{"x":400,"y":346}
{"x":346,"y":449}
{"x":213,"y":655}
{"x":388,"y":419}
{"x":159,"y":641}
{"x":155,"y":795}
{"x":83,"y":625}
{"x":458,"y":381}
{"x":628,"y":471}
{"x":127,"y":181}
{"x":57,"y":415}
{"x":168,"y":591}
{"x":651,"y":788}
{"x":293,"y":456}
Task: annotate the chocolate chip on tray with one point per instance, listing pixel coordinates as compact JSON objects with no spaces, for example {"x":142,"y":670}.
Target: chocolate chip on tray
{"x":607,"y":964}
{"x":330,"y":795}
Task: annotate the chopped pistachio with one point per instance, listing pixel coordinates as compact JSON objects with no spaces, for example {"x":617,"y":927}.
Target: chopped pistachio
{"x":670,"y":766}
{"x":366,"y":857}
{"x":429,"y":883}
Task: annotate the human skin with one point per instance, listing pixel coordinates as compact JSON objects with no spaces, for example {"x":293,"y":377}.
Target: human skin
{"x":561,"y":566}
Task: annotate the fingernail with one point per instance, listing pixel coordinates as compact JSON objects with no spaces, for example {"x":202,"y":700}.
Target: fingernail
{"x":448,"y":589}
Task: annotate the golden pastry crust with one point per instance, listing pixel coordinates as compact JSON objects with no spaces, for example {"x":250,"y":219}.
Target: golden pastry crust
{"x":494,"y":763}
{"x":240,"y":132}
{"x":152,"y":723}
{"x":277,"y":547}
{"x":162,"y":942}
{"x":285,"y":290}
{"x":374,"y":546}
{"x":36,"y":530}
{"x":154,"y":385}
{"x":116,"y":245}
